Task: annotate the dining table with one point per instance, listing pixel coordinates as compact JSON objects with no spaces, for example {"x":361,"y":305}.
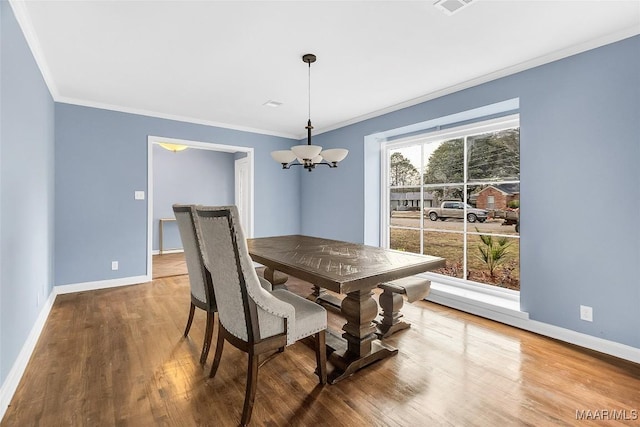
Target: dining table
{"x":347,"y":268}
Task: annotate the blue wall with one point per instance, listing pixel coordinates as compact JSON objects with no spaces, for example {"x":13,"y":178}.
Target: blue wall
{"x":26,"y":196}
{"x":580,"y":133}
{"x":192,"y":176}
{"x":101,"y":160}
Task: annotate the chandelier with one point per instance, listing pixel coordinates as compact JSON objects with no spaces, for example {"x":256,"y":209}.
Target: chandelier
{"x":308,"y":156}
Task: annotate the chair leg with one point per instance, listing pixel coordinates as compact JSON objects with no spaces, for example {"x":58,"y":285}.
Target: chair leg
{"x":207,"y":337}
{"x":252,"y":383}
{"x":190,"y":320}
{"x":218,"y":355}
{"x":321,"y":356}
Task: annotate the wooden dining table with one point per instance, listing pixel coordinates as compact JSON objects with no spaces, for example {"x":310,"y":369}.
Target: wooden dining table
{"x":345,"y":268}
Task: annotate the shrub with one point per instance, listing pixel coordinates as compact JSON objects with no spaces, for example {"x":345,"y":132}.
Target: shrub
{"x":493,"y":251}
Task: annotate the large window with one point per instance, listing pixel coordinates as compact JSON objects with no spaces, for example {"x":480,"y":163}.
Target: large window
{"x":456,"y":194}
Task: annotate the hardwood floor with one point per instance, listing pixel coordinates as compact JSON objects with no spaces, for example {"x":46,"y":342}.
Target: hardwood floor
{"x":116,"y":357}
{"x":167,"y":265}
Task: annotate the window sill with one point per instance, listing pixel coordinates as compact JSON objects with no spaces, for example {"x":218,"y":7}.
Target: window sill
{"x":479,"y":300}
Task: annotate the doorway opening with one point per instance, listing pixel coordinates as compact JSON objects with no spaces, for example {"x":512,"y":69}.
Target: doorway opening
{"x":244,"y":185}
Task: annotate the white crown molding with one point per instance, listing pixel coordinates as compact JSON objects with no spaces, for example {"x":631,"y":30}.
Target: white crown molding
{"x":24,"y":21}
{"x":22,"y":15}
{"x":523,"y":66}
{"x":155,"y":114}
{"x":14,"y":376}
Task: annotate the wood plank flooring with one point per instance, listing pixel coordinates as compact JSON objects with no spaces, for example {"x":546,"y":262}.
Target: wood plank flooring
{"x":167,"y":265}
{"x":116,"y":357}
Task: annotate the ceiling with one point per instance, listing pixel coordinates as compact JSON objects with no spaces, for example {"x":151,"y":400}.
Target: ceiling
{"x":217,"y":62}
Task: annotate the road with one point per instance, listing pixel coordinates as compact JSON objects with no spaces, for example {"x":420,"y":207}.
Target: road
{"x":412,"y":219}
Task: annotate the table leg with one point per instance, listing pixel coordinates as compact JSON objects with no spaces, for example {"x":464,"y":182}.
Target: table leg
{"x":391,"y":303}
{"x":275,"y":277}
{"x":362,"y":349}
{"x":322,"y":297}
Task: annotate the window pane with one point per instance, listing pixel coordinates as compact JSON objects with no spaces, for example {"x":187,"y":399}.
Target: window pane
{"x":404,"y":166}
{"x":502,"y":204}
{"x":404,"y":240}
{"x":404,"y":206}
{"x":494,"y":156}
{"x":448,"y":246}
{"x":444,"y":162}
{"x":494,"y":260}
{"x":444,"y":209}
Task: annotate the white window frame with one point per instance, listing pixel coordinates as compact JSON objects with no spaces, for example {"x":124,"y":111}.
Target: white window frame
{"x":480,"y":127}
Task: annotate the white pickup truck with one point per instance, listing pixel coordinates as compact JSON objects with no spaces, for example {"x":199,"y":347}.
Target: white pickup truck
{"x":455,"y":209}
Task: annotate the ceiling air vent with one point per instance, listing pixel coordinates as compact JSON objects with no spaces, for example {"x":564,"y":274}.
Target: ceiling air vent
{"x":451,"y":6}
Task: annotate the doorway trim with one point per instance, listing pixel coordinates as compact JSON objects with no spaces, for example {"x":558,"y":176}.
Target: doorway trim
{"x":239,"y":166}
{"x":151,"y":140}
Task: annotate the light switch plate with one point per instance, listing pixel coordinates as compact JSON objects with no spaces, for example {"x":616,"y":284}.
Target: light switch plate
{"x":139,"y":195}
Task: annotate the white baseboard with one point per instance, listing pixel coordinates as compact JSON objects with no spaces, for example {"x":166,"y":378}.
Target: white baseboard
{"x":167,"y":251}
{"x":521,"y":320}
{"x":101,"y":284}
{"x":10,"y":384}
{"x":601,"y":345}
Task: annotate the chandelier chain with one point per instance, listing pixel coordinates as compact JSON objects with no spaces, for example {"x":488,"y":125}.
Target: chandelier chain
{"x":309,"y":82}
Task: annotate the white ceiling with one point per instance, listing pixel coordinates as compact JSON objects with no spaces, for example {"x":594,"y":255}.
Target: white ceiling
{"x":218,"y":62}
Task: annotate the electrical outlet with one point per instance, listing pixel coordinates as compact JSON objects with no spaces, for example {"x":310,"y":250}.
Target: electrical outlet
{"x":586,"y":313}
{"x":138,"y":195}
{"x":114,"y":265}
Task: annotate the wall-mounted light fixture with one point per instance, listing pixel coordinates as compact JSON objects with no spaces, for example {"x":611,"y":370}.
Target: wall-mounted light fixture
{"x":173,"y":147}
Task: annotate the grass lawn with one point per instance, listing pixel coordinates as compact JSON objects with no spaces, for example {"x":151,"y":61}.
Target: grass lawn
{"x":450,"y":247}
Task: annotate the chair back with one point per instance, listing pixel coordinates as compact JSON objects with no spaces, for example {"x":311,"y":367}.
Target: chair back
{"x":234,"y":277}
{"x":199,"y":276}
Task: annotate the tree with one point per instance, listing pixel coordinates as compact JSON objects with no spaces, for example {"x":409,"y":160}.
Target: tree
{"x":446,"y":163}
{"x":446,"y":166}
{"x":402,"y":172}
{"x":490,"y":157}
{"x":494,"y":156}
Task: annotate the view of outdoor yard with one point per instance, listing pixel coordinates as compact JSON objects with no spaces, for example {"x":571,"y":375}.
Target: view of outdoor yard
{"x":445,"y":239}
{"x":460,"y":192}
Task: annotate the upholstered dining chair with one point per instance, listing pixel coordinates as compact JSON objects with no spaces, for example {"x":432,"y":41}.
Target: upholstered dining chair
{"x":251,"y":318}
{"x":202,"y":295}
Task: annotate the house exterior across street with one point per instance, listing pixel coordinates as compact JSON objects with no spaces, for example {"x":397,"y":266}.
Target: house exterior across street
{"x":497,"y":197}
